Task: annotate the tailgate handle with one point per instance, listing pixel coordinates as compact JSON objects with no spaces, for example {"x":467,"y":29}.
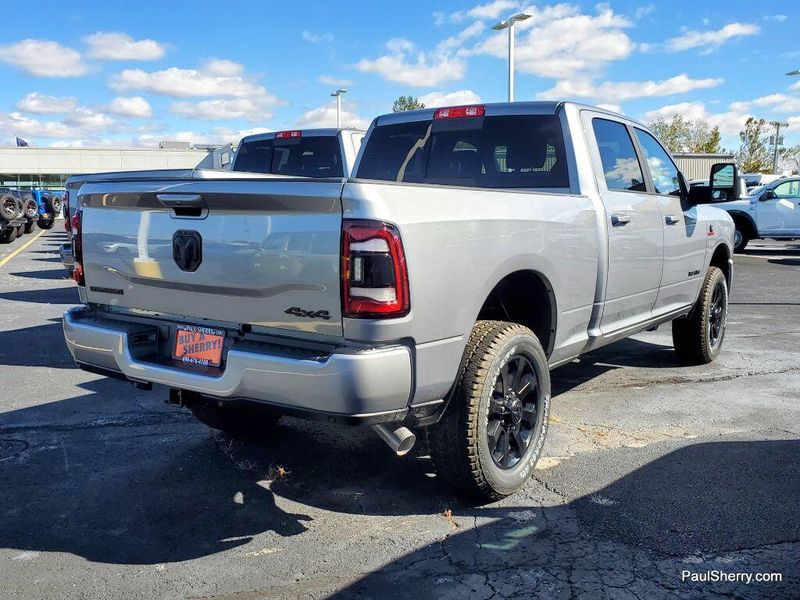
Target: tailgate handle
{"x":181,"y":200}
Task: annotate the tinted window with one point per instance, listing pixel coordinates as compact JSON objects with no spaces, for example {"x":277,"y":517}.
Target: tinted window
{"x":621,"y":167}
{"x":314,"y":156}
{"x":788,"y":189}
{"x":254,"y":157}
{"x":662,"y":170}
{"x":492,"y":152}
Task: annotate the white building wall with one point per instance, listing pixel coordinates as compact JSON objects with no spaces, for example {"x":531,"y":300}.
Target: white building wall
{"x":71,"y":161}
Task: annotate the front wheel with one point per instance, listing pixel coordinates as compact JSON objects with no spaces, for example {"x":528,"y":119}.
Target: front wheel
{"x":491,"y":435}
{"x":698,"y":336}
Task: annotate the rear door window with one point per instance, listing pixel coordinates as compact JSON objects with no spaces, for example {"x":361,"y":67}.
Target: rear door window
{"x":621,"y":168}
{"x":488,"y":152}
{"x":254,"y":157}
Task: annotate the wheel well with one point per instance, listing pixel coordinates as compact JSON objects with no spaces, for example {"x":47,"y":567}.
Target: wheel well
{"x":720,"y":259}
{"x":524,"y":297}
{"x":744,"y":223}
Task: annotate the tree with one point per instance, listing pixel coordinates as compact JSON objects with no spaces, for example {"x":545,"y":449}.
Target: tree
{"x":680,"y":135}
{"x":404,"y":103}
{"x":789,"y":159}
{"x":753,"y":155}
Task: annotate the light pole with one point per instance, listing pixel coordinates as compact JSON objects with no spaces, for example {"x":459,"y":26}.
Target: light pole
{"x":509,"y":24}
{"x":777,"y":125}
{"x":338,"y":95}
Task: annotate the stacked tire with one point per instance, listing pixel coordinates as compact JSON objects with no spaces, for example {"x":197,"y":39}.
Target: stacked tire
{"x":52,"y":204}
{"x":12,"y":209}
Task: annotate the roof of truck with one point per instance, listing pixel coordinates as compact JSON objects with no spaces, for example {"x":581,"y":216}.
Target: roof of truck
{"x":315,"y":132}
{"x":546,"y":107}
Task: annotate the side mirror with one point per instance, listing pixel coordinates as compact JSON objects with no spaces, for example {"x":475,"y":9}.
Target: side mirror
{"x":724,"y":181}
{"x":767,"y":195}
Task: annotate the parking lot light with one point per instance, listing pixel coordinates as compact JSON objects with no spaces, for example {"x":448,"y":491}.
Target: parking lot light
{"x":338,"y":95}
{"x":509,"y":24}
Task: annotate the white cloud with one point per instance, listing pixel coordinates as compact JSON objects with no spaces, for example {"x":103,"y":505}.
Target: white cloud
{"x":223,"y":67}
{"x":619,"y":91}
{"x":130,"y":106}
{"x":115,"y":45}
{"x":560,"y":39}
{"x":185,"y":83}
{"x":456,"y":41}
{"x":780,"y":103}
{"x":252,"y":110}
{"x":43,"y":58}
{"x":415,"y":69}
{"x":709,"y":41}
{"x":334,"y":81}
{"x":730,"y":123}
{"x":44,"y":104}
{"x":438,"y":18}
{"x":87,"y":119}
{"x":779,"y":18}
{"x":492,"y":10}
{"x":325,"y":116}
{"x":317,"y":38}
{"x":459,"y":97}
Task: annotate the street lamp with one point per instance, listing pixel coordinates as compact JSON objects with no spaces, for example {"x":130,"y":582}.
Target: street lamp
{"x":795,"y":72}
{"x":338,"y":95}
{"x":777,"y":125}
{"x":509,"y":24}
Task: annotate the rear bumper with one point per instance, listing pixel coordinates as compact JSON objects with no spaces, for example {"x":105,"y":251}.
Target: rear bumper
{"x":373,"y":384}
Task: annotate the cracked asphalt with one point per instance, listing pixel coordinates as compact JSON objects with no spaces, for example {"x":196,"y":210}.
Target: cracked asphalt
{"x":652,"y":474}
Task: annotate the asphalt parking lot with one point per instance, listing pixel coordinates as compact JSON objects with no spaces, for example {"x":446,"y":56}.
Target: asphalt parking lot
{"x":651,"y":471}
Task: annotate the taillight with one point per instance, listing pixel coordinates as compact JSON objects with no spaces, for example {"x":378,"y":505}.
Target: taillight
{"x":457,"y":112}
{"x":67,"y":224}
{"x":374,"y":272}
{"x":77,"y":248}
{"x":288,"y":135}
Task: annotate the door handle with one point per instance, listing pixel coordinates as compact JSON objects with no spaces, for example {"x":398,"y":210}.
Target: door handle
{"x":672,"y":220}
{"x":619,"y":220}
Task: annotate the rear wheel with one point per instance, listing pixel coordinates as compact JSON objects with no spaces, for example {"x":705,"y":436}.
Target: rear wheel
{"x":237,"y":421}
{"x":740,"y":239}
{"x":698,"y":336}
{"x":491,"y":435}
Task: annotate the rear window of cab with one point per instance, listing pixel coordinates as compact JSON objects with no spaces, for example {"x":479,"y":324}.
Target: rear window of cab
{"x":486,"y":152}
{"x":312,"y":156}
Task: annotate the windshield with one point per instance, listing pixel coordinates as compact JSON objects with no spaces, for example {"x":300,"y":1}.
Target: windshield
{"x":313,"y":156}
{"x":756,"y":190}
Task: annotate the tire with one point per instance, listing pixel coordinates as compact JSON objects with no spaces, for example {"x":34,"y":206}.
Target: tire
{"x":740,"y":239}
{"x":31,"y":210}
{"x":29,"y":226}
{"x":8,"y":207}
{"x":54,"y":204}
{"x":465,"y":454}
{"x":694,"y":335}
{"x":8,"y":235}
{"x":237,"y":421}
{"x":45,"y":223}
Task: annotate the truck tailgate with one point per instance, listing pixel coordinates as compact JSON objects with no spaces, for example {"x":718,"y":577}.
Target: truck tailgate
{"x":263,"y":252}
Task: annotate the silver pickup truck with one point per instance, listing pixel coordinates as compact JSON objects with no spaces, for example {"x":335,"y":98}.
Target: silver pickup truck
{"x":473,"y":249}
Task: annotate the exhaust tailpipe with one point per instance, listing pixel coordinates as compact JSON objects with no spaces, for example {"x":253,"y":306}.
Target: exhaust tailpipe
{"x":401,"y":440}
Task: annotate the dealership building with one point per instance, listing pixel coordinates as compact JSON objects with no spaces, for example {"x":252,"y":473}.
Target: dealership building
{"x":49,"y":168}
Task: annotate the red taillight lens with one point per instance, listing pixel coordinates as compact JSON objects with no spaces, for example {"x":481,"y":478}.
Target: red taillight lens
{"x":67,"y":224}
{"x":285,"y":135}
{"x":77,"y":248}
{"x":456,"y":112}
{"x":374,"y":272}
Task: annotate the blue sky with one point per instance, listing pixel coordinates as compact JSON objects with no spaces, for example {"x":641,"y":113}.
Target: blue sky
{"x":131,"y":74}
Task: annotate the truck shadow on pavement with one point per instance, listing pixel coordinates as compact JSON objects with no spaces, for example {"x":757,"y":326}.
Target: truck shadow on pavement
{"x":60,"y":295}
{"x":115,"y":476}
